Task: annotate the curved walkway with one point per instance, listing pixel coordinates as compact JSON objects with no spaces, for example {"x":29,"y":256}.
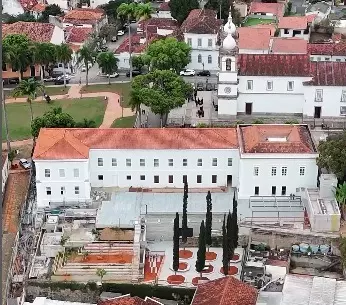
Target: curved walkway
{"x":113,"y":109}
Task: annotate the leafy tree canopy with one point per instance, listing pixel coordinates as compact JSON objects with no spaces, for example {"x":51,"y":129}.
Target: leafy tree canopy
{"x":111,"y":8}
{"x":332,"y":155}
{"x":108,"y":31}
{"x":26,"y":17}
{"x":168,"y":53}
{"x":53,"y":10}
{"x":16,"y":39}
{"x":180,"y":9}
{"x":215,"y":5}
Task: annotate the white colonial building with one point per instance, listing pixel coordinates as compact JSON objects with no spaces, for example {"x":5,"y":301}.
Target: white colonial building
{"x":260,"y":160}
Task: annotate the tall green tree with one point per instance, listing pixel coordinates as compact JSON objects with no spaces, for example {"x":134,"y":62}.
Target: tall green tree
{"x":332,"y":155}
{"x":184,"y":227}
{"x":230,"y":236}
{"x":166,"y":54}
{"x":200,"y":262}
{"x":235,"y":228}
{"x":225,"y":255}
{"x":176,"y":243}
{"x":86,"y":55}
{"x":25,"y":17}
{"x":29,"y":88}
{"x":340,"y":196}
{"x":86,"y":124}
{"x":50,"y":10}
{"x":137,"y":62}
{"x":208,"y":220}
{"x":64,"y":55}
{"x":111,"y":9}
{"x":108,"y":62}
{"x":44,"y":54}
{"x":180,"y":9}
{"x":215,"y":5}
{"x":161,"y":91}
{"x":144,"y":12}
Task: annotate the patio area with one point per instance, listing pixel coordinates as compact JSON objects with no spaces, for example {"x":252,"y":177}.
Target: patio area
{"x":256,"y":21}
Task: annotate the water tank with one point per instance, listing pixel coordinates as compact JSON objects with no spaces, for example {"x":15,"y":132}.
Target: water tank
{"x":328,"y":183}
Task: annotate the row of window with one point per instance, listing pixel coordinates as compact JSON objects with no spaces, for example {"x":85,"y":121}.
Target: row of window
{"x":283,"y":171}
{"x":156,"y":162}
{"x":319,"y":95}
{"x":290,"y":85}
{"x":62,"y":190}
{"x":62,"y":173}
{"x":199,"y":42}
{"x":319,"y":58}
{"x":283,"y":190}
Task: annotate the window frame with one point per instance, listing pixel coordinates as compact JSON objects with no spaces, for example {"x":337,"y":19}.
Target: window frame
{"x":210,"y":42}
{"x":62,"y":190}
{"x":100,"y":177}
{"x":256,"y":171}
{"x":156,"y":179}
{"x":199,"y":58}
{"x":142,"y":162}
{"x":199,"y":179}
{"x":302,"y":170}
{"x":270,"y":88}
{"x":210,"y":59}
{"x":128,"y":162}
{"x":229,"y":161}
{"x":274,"y":171}
{"x":184,"y":162}
{"x":76,"y":172}
{"x":142,"y":176}
{"x":47,"y":172}
{"x":170,"y":179}
{"x":283,"y":190}
{"x":99,"y":161}
{"x":76,"y":190}
{"x":199,"y":42}
{"x":214,"y":162}
{"x":189,"y":41}
{"x":249,"y":82}
{"x":170,"y":162}
{"x":199,"y":162}
{"x":284,"y":171}
{"x":319,"y":95}
{"x":288,"y":85}
{"x":114,"y":162}
{"x":258,"y":190}
{"x":62,"y":170}
{"x":48,"y":190}
{"x":156,"y":162}
{"x":213,"y":180}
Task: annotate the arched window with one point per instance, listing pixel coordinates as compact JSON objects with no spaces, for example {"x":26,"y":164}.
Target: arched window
{"x":228,"y":64}
{"x":210,"y":60}
{"x":199,"y":58}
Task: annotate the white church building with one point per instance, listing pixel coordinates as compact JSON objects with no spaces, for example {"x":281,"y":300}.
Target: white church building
{"x":278,"y":84}
{"x":257,"y":160}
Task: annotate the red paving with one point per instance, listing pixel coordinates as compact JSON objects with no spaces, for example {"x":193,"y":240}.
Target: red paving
{"x":232,"y":270}
{"x":210,"y":256}
{"x":186,"y":254}
{"x":148,"y":275}
{"x":175,"y":279}
{"x":182,"y":266}
{"x":118,"y":258}
{"x":209,"y":270}
{"x":195,"y":280}
{"x":235,"y":257}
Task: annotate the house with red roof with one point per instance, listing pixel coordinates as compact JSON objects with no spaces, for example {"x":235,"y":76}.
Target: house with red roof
{"x":164,"y":11}
{"x":160,"y":26}
{"x":267,"y":10}
{"x":254,"y":40}
{"x":330,"y":51}
{"x":294,"y":27}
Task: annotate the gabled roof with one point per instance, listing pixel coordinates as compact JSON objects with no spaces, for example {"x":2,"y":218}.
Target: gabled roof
{"x":269,"y":26}
{"x":293,"y":22}
{"x":254,"y":38}
{"x":277,"y":9}
{"x":137,"y":46}
{"x":27,"y":5}
{"x":327,"y":73}
{"x":77,"y":34}
{"x":164,"y":6}
{"x":153,"y":24}
{"x":274,"y":65}
{"x":39,"y":7}
{"x":331,"y":49}
{"x":74,"y":143}
{"x":225,"y":291}
{"x":201,"y":21}
{"x":84,"y":16}
{"x":289,"y":45}
{"x":289,"y":139}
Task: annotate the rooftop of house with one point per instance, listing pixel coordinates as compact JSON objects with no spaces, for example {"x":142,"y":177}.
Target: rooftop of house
{"x":201,"y":21}
{"x":274,"y":65}
{"x":153,"y":24}
{"x":331,"y":49}
{"x":254,"y":38}
{"x":77,"y":34}
{"x":277,"y":9}
{"x":36,"y":31}
{"x":128,"y":300}
{"x":164,"y":6}
{"x":287,"y":139}
{"x":138,"y":44}
{"x":289,"y":45}
{"x":327,"y":74}
{"x":311,"y":17}
{"x":322,"y":7}
{"x":271,"y":27}
{"x":27,"y":5}
{"x":84,"y":16}
{"x":293,"y":22}
{"x":225,"y":291}
{"x":39,"y":7}
{"x":74,"y":143}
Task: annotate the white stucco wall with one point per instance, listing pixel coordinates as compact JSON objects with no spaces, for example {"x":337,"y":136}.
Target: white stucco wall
{"x":62,"y":3}
{"x":58,"y":36}
{"x":5,"y":172}
{"x":253,"y":51}
{"x":290,"y":34}
{"x":265,"y":181}
{"x":327,"y":58}
{"x":163,"y":14}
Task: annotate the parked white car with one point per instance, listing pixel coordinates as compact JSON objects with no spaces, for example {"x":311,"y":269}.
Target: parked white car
{"x":188,"y":72}
{"x":121,"y":33}
{"x":25,"y":163}
{"x":84,"y":67}
{"x":113,"y":75}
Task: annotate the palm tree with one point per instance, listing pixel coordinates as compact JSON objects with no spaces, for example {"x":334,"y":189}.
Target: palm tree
{"x":64,"y":55}
{"x":20,"y":59}
{"x":86,"y":55}
{"x":144,"y":12}
{"x":86,"y":123}
{"x":101,"y":273}
{"x":44,"y":54}
{"x":29,"y":88}
{"x":128,"y":11}
{"x":135,"y":104}
{"x":109,"y":63}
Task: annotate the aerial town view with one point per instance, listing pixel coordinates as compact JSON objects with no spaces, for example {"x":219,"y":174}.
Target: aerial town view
{"x":180,"y":152}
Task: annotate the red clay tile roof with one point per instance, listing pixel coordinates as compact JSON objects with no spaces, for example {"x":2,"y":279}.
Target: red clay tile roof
{"x":74,"y":143}
{"x":327,"y":74}
{"x":128,"y":300}
{"x":77,"y":34}
{"x":256,"y":139}
{"x":136,"y":46}
{"x":27,"y":5}
{"x":164,"y":6}
{"x":39,"y":7}
{"x":201,"y":21}
{"x":254,"y":38}
{"x":276,"y":9}
{"x":289,"y":45}
{"x":274,"y":65}
{"x":36,"y":31}
{"x":310,"y":18}
{"x":331,"y":49}
{"x":74,"y":47}
{"x":294,"y":22}
{"x":225,"y":291}
{"x":271,"y":27}
{"x":84,"y":16}
{"x":153,"y":24}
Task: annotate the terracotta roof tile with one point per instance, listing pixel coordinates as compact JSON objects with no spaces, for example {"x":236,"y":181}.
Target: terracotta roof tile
{"x":74,"y":143}
{"x":274,"y":65}
{"x":39,"y":7}
{"x":36,"y":31}
{"x":201,"y":21}
{"x":294,"y":22}
{"x":254,"y":38}
{"x":256,"y":139}
{"x":310,"y":18}
{"x":331,"y":49}
{"x":327,"y":74}
{"x":78,"y":34}
{"x":84,"y":16}
{"x":271,"y":27}
{"x":225,"y":291}
{"x":137,"y":46}
{"x":289,"y":46}
{"x":128,"y":300}
{"x":27,"y":5}
{"x":164,"y":6}
{"x":153,"y":24}
{"x":276,"y":9}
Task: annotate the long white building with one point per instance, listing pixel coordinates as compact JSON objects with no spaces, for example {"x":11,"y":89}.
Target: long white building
{"x":261,"y":160}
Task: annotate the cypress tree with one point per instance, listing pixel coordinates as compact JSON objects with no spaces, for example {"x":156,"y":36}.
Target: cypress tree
{"x":200,"y":262}
{"x":184,"y":219}
{"x":230,"y":236}
{"x":208,"y":220}
{"x":225,"y":259}
{"x":235,"y":230}
{"x":176,"y":243}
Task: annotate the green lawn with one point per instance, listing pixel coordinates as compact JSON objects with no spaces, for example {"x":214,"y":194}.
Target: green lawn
{"x":255,"y":21}
{"x":19,"y":114}
{"x":49,"y":90}
{"x":120,"y":88}
{"x":126,"y":122}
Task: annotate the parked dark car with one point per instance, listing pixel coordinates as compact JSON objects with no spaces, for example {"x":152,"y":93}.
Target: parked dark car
{"x":134,"y":73}
{"x":200,"y":86}
{"x":203,"y":73}
{"x":209,"y":87}
{"x":60,"y":80}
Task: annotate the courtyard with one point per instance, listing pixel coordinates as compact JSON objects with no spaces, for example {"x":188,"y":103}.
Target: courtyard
{"x":256,"y":21}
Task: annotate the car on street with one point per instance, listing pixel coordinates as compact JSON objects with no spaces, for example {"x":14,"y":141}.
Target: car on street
{"x":60,"y":80}
{"x":113,"y":75}
{"x":121,"y":33}
{"x":49,"y":79}
{"x":134,"y":73}
{"x":25,"y":163}
{"x":203,"y":73}
{"x":84,"y":67}
{"x":200,"y":86}
{"x":209,"y":87}
{"x":187,"y":72}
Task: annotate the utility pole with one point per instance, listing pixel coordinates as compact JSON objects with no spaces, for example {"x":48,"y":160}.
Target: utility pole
{"x":220,"y":9}
{"x":5,"y":119}
{"x":130,"y":57}
{"x":121,"y":104}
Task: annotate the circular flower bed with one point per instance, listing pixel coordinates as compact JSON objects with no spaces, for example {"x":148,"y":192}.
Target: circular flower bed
{"x":185,"y":254}
{"x":235,"y":257}
{"x":209,"y":269}
{"x":232,"y":270}
{"x":196,"y":280}
{"x":182,"y":266}
{"x":175,"y":279}
{"x":210,"y":256}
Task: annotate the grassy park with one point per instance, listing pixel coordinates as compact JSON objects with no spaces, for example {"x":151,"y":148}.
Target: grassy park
{"x":56,"y":90}
{"x":18,"y":114}
{"x":126,"y":122}
{"x":256,"y":21}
